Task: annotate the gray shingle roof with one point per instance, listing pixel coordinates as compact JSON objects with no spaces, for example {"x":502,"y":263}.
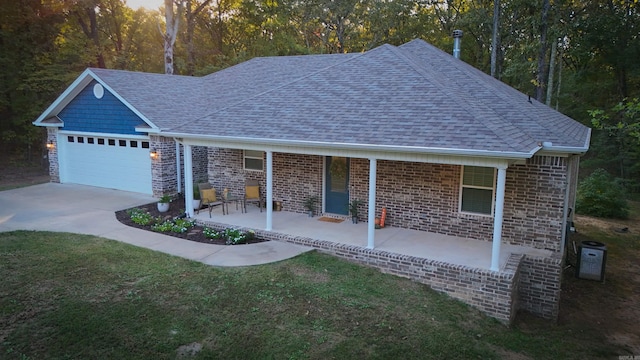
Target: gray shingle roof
{"x":414,"y":95}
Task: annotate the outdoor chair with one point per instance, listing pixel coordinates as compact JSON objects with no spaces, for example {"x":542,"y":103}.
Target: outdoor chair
{"x":252,"y":193}
{"x":209,"y":198}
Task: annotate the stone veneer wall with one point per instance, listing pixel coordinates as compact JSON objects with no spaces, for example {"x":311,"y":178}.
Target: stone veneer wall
{"x":54,"y":167}
{"x":163,"y":168}
{"x":164,"y":177}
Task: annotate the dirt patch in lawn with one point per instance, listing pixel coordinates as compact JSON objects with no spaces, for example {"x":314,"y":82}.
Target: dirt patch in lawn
{"x":193,"y":234}
{"x":610,"y":308}
{"x":14,"y":173}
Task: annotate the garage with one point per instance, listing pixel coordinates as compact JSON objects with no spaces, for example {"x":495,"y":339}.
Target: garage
{"x":117,"y":162}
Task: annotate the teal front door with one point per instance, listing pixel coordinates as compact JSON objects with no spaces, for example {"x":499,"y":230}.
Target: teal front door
{"x":337,"y":185}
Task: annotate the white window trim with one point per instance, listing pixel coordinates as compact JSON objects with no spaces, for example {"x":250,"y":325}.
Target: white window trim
{"x":244,"y":162}
{"x":493,"y":193}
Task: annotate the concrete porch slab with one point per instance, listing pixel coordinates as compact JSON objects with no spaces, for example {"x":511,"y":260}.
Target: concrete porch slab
{"x":432,"y":246}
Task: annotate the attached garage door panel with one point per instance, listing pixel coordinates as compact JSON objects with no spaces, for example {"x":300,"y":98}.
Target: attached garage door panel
{"x":113,"y":163}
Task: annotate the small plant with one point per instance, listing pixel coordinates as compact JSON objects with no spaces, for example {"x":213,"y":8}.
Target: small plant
{"x":310,"y":204}
{"x":165,"y":199}
{"x":140,"y":216}
{"x":196,"y":192}
{"x":353,"y":209}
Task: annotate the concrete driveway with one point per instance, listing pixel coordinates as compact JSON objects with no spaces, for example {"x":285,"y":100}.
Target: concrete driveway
{"x":90,"y":210}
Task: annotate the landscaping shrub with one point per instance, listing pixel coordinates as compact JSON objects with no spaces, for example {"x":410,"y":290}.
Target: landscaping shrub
{"x":602,"y":195}
{"x":176,"y":225}
{"x":141,"y":217}
{"x":211,"y":233}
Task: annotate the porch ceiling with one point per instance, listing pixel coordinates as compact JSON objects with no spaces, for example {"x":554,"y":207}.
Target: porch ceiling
{"x":438,"y":247}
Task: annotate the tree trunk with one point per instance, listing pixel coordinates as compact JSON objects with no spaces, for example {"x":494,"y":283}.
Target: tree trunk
{"x":552,"y":65}
{"x":495,"y":38}
{"x":171,"y":29}
{"x":540,"y":80}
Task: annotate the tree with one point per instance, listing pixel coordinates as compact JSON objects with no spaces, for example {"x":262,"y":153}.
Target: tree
{"x":190,"y":14}
{"x":621,"y":126}
{"x":172,"y":21}
{"x":601,"y":195}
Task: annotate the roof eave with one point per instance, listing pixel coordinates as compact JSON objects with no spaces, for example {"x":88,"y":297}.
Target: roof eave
{"x":511,"y":155}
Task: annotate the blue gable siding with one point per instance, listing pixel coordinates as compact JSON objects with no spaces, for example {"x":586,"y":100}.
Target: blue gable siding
{"x":107,"y":115}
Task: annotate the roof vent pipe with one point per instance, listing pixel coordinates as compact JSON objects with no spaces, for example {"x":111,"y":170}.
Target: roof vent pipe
{"x":457,"y":38}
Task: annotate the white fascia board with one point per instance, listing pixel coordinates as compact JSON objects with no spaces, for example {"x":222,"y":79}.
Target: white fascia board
{"x":399,"y":153}
{"x":566,"y":150}
{"x":74,"y":89}
{"x":147,"y":130}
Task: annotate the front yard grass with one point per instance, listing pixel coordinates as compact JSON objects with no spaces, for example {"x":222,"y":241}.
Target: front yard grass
{"x":69,"y":296}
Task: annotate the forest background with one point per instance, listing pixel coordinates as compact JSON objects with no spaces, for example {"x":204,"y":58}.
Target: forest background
{"x":580,"y":57}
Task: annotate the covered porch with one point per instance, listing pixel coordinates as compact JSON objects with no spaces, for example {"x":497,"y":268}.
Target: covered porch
{"x":420,"y":244}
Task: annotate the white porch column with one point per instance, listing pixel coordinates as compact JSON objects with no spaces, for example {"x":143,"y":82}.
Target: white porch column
{"x":371,"y":226}
{"x":178,"y":167}
{"x":188,"y":181}
{"x":497,"y":219}
{"x":269,"y":204}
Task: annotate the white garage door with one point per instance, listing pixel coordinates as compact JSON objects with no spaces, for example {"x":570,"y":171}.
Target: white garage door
{"x":109,"y":162}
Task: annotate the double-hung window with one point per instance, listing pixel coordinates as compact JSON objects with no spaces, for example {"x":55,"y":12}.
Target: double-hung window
{"x":477,"y":190}
{"x":254,"y":160}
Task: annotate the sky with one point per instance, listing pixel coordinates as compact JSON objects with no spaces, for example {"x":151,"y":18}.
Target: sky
{"x":149,"y":4}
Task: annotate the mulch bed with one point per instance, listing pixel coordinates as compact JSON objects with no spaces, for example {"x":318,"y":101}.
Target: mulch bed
{"x":193,"y":234}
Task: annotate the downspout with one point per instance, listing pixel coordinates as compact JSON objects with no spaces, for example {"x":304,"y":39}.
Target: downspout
{"x":178,"y":167}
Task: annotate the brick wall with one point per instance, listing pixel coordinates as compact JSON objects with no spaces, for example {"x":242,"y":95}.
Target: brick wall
{"x":54,"y":167}
{"x":294,"y":176}
{"x":163,"y":168}
{"x":534,"y":203}
{"x":423,"y":196}
{"x":493,"y":293}
{"x":164,"y":178}
{"x":539,"y":285}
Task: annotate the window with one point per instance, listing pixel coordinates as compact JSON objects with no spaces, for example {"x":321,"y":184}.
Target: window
{"x":253,"y":160}
{"x":90,"y":140}
{"x":476,"y":194}
{"x":122,"y":143}
{"x":70,"y":138}
{"x":145,"y":144}
{"x":133,"y":144}
{"x":100,"y":141}
{"x":112,"y":142}
{"x":80,"y":140}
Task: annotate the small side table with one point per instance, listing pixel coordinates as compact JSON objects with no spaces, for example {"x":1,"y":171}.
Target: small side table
{"x":234,"y":199}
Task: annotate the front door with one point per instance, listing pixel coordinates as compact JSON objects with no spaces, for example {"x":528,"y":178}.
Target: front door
{"x":337,"y":185}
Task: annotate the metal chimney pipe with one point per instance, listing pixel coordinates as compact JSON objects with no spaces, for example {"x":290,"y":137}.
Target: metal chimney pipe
{"x":457,"y":39}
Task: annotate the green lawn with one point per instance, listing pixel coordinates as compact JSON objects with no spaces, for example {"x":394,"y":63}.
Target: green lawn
{"x":68,"y":296}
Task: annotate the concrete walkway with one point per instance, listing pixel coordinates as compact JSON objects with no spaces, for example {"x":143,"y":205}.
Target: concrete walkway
{"x":90,"y":210}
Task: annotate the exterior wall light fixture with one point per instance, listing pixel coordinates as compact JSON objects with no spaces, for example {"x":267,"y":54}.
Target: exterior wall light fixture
{"x":153,"y":154}
{"x":50,"y":145}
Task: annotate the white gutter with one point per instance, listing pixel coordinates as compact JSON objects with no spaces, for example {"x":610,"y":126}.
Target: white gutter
{"x":347,"y":146}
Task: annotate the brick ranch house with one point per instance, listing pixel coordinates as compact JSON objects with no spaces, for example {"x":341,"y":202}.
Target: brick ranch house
{"x":445,"y":148}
